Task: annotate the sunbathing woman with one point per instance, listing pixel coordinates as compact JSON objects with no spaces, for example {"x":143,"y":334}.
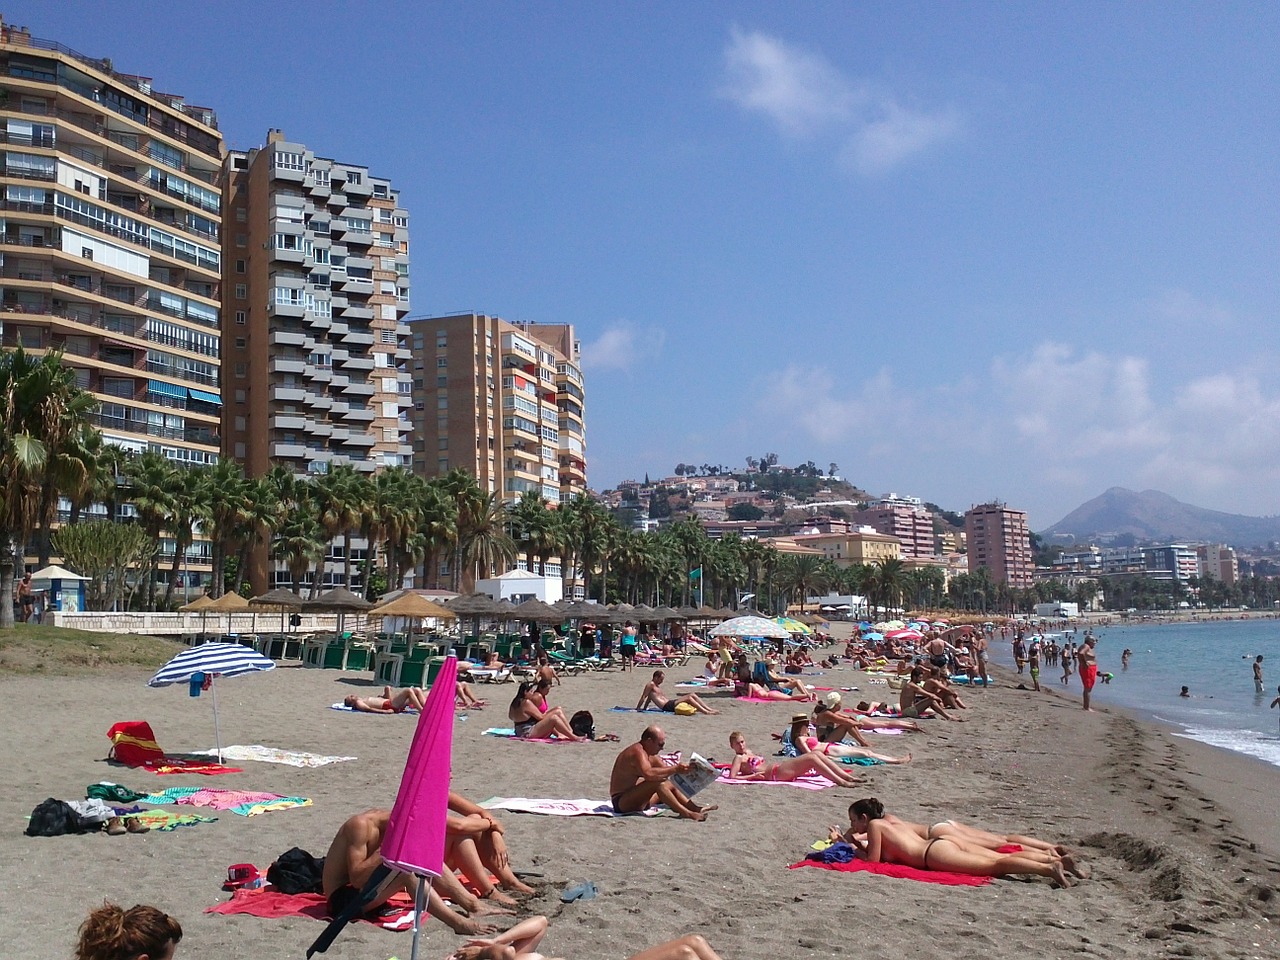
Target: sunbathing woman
{"x":465,"y":697}
{"x":521,"y":941}
{"x":801,"y":740}
{"x":833,"y":725}
{"x":532,"y":723}
{"x":764,"y":674}
{"x":387,"y":703}
{"x":751,"y":767}
{"x":895,"y":842}
{"x":744,"y":686}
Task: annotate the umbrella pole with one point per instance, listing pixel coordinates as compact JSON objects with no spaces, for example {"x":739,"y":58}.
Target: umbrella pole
{"x":217,"y":731}
{"x":419,"y":905}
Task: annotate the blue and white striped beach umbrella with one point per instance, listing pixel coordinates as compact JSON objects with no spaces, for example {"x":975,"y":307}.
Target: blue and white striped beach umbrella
{"x":213,"y":660}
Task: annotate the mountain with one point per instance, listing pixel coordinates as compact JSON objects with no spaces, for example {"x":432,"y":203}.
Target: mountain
{"x":1152,"y":515}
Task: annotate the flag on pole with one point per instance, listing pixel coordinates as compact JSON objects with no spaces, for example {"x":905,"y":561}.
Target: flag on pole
{"x":695,"y":574}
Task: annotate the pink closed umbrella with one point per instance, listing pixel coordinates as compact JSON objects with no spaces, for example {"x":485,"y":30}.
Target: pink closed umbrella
{"x":414,"y":840}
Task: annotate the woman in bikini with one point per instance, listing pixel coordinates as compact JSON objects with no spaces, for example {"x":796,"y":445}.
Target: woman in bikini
{"x":801,"y":739}
{"x":894,"y":841}
{"x":533,"y":723}
{"x":748,"y":766}
{"x":409,"y":697}
{"x":747,"y":688}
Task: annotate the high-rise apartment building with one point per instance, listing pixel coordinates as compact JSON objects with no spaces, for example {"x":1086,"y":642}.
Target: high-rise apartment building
{"x":110,"y":241}
{"x":998,"y":539}
{"x":912,"y":524}
{"x":1218,"y":561}
{"x":504,"y":401}
{"x":316,"y":284}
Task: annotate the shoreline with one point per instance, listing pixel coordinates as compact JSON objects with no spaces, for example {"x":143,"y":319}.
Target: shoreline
{"x":1166,"y":825}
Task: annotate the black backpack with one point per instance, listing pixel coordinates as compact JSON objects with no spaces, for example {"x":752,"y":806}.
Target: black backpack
{"x":583,"y":724}
{"x":297,"y":871}
{"x":53,"y":818}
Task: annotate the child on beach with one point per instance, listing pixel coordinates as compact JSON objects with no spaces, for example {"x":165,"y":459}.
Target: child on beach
{"x":1033,"y":654}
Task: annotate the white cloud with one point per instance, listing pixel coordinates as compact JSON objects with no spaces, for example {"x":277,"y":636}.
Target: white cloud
{"x":799,"y":91}
{"x":1045,"y":429}
{"x":623,"y":347}
{"x":804,"y":94}
{"x":895,"y":135}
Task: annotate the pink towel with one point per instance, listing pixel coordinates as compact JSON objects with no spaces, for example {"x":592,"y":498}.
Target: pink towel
{"x":270,"y":903}
{"x":767,"y":700}
{"x":808,"y":782}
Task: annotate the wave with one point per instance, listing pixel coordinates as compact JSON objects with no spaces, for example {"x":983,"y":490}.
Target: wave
{"x":1249,"y":742}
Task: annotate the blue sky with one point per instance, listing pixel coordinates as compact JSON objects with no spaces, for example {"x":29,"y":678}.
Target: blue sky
{"x":1014,"y":250}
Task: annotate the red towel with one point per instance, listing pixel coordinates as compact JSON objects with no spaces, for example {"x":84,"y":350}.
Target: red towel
{"x":134,"y":745}
{"x":896,"y":870}
{"x":269,"y":903}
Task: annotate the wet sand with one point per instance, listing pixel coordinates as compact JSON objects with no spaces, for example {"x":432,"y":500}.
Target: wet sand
{"x":1181,"y":838}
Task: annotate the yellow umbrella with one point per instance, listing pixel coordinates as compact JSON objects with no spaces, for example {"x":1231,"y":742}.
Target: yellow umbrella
{"x":412,"y":606}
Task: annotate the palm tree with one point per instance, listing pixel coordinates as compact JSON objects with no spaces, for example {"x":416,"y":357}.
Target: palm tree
{"x":299,"y":543}
{"x":890,"y":581}
{"x":804,"y":575}
{"x":437,"y":515}
{"x":41,"y":409}
{"x":261,"y":512}
{"x":188,"y":505}
{"x":226,"y":493}
{"x":153,"y":485}
{"x":484,"y":542}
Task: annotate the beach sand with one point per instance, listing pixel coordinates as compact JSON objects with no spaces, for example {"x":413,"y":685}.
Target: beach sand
{"x":1181,"y":838}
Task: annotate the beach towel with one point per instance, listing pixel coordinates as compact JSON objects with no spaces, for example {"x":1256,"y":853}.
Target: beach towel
{"x":510,"y":734}
{"x":163,"y":820}
{"x":632,"y":710}
{"x":808,"y":782}
{"x":239,"y":802}
{"x":273,"y":755}
{"x":899,"y":871}
{"x":269,"y":903}
{"x":407,"y":711}
{"x":563,"y":808}
{"x":134,"y":744}
{"x":765,"y":700}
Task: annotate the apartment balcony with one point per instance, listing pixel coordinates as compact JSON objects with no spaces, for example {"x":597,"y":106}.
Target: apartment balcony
{"x":288,"y":421}
{"x":296,"y":310}
{"x":288,"y":255}
{"x":361,"y":438}
{"x":358,"y":363}
{"x":359,"y":414}
{"x":318,"y":428}
{"x":289,"y":338}
{"x":317,"y":373}
{"x":338,"y":328}
{"x":356,"y":310}
{"x":358,"y":337}
{"x":288,"y":450}
{"x":359,"y":389}
{"x":320,"y":401}
{"x":340,"y":434}
{"x":288,"y":394}
{"x":340,"y":408}
{"x":286,"y":365}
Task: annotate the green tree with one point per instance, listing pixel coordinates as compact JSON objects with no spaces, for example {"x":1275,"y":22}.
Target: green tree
{"x":41,"y":410}
{"x":104,"y":552}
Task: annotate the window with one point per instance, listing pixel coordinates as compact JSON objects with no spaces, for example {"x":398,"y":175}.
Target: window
{"x":242,"y":215}
{"x":239,"y":266}
{"x":240,"y":317}
{"x":240,"y":423}
{"x":242,"y":370}
{"x":390,"y":409}
{"x":240,"y":396}
{"x":442,"y":340}
{"x":442,"y":443}
{"x":442,"y":362}
{"x":242,"y":240}
{"x":86,"y":252}
{"x":289,"y":161}
{"x":443,"y":465}
{"x":242,"y":291}
{"x":354,"y":177}
{"x":442,"y":403}
{"x":442,"y":383}
{"x":240,"y":343}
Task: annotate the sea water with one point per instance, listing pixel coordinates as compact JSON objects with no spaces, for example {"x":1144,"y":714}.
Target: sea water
{"x":1213,"y":658}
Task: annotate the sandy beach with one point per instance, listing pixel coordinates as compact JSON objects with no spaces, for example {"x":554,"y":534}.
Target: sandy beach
{"x":1181,"y":838}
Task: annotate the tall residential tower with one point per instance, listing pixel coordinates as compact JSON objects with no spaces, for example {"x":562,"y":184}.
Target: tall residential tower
{"x":998,"y":538}
{"x":110,"y":244}
{"x":316,"y":286}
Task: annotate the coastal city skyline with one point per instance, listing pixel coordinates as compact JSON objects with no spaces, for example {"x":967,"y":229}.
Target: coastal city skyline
{"x":965,"y":254}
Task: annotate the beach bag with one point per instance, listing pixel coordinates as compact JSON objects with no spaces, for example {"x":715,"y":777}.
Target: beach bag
{"x":54,"y":818}
{"x":583,"y":724}
{"x":685,"y":710}
{"x":296,"y":871}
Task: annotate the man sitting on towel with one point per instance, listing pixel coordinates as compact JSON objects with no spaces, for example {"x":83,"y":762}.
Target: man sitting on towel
{"x":652,"y":693}
{"x":474,"y":845}
{"x":639,"y":779}
{"x":354,"y":856}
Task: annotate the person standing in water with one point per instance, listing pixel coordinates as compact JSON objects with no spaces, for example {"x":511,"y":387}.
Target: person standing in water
{"x":1257,"y":674}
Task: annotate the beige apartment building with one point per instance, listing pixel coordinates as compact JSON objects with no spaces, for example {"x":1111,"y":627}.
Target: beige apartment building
{"x":1218,"y":561}
{"x":504,"y":401}
{"x":110,"y":237}
{"x":998,"y":538}
{"x":856,"y":547}
{"x":316,"y":285}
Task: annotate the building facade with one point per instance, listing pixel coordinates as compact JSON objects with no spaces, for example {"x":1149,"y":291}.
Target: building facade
{"x":998,"y":538}
{"x":503,"y":401}
{"x":1218,"y":561}
{"x":110,"y":237}
{"x":854,"y":548}
{"x":911,"y":524}
{"x":316,"y":287}
{"x":316,"y":284}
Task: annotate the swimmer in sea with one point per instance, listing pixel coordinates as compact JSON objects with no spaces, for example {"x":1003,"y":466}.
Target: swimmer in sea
{"x":1124,"y":658}
{"x":1186,"y":692}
